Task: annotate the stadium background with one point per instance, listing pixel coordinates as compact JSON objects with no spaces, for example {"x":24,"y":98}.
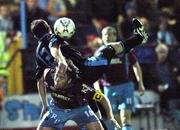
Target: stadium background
{"x":159,"y":108}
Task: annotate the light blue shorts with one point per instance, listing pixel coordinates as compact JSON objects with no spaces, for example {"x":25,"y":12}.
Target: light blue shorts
{"x":56,"y":117}
{"x":121,"y":96}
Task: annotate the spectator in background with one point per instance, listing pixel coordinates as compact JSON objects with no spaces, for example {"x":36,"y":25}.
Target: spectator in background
{"x":120,"y":87}
{"x":164,"y":34}
{"x":79,"y":11}
{"x":43,"y":4}
{"x":1,"y":97}
{"x":1,"y":93}
{"x":152,"y":39}
{"x":175,"y":25}
{"x":125,"y":23}
{"x":6,"y":23}
{"x":4,"y":59}
{"x":94,"y":43}
{"x":166,"y":86}
{"x":104,"y":13}
{"x":32,"y":12}
{"x":56,"y":9}
{"x":162,"y":67}
{"x":163,"y":72}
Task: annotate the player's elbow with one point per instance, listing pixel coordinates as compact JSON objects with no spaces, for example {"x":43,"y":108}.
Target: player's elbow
{"x":117,"y":46}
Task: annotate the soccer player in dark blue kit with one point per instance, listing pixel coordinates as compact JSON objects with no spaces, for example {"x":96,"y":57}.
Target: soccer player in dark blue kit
{"x":50,"y":51}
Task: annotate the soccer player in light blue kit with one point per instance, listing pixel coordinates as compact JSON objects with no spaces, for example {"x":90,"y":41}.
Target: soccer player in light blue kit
{"x":120,"y":89}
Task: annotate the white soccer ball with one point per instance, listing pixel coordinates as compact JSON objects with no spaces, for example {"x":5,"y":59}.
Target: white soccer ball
{"x":64,"y":27}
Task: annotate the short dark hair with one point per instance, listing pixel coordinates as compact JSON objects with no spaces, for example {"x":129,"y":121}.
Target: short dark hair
{"x":39,"y":27}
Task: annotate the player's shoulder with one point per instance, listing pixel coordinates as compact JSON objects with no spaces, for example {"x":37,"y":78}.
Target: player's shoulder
{"x":44,"y":39}
{"x":55,"y":40}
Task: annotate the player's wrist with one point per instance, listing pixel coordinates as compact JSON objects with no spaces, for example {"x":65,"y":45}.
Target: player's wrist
{"x":44,"y":105}
{"x":140,"y":85}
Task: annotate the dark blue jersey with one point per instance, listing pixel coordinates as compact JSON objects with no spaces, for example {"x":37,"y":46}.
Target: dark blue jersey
{"x":43,"y":52}
{"x":44,"y":59}
{"x":90,"y":69}
{"x":95,"y":66}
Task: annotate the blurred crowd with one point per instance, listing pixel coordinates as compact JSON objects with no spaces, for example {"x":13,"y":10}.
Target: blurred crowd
{"x":160,"y":17}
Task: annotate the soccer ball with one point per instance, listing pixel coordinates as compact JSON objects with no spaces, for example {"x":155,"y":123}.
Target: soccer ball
{"x":64,"y":27}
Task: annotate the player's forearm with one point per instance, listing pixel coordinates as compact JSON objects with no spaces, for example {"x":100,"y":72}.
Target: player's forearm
{"x":61,"y":57}
{"x":127,"y":45}
{"x":42,"y":92}
{"x":107,"y":106}
{"x":56,"y":53}
{"x":138,"y":73}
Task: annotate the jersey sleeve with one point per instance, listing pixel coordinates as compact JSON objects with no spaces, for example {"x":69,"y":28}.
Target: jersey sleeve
{"x":106,"y":52}
{"x":102,"y":57}
{"x":92,"y":94}
{"x":40,"y":67}
{"x":97,"y":64}
{"x":54,"y":40}
{"x":132,"y":57}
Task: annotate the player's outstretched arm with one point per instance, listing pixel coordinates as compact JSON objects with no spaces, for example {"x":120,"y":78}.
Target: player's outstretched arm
{"x":57,"y":54}
{"x":99,"y":96}
{"x":42,"y":95}
{"x":138,"y":74}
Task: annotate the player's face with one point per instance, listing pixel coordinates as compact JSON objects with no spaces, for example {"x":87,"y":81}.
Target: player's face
{"x":109,"y":35}
{"x":61,"y":80}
